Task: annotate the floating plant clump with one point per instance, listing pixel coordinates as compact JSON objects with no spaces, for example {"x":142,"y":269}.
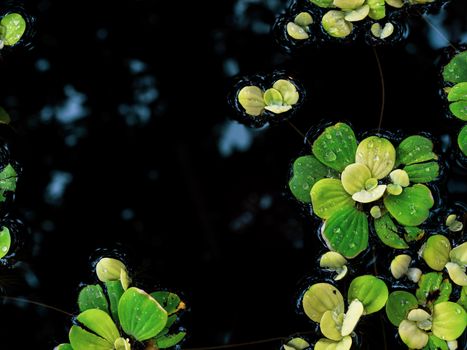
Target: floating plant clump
{"x":455,"y":74}
{"x":12,"y":29}
{"x":351,"y":185}
{"x":260,"y":100}
{"x":120,"y":317}
{"x":317,"y":21}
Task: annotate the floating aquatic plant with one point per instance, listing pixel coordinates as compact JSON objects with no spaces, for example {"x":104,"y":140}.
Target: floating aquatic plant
{"x":8,"y":178}
{"x":117,"y":316}
{"x":350,"y":185}
{"x":323,"y":303}
{"x":455,"y":73}
{"x":12,"y":28}
{"x":296,"y":343}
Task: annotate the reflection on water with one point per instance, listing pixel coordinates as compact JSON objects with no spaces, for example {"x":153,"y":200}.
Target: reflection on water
{"x":57,"y":186}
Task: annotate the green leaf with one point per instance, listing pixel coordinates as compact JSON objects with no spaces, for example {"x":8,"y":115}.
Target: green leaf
{"x":251,"y":99}
{"x":459,"y":109}
{"x":415,"y":149}
{"x":371,"y":291}
{"x":328,"y":196}
{"x":422,"y":173}
{"x":378,"y":154}
{"x":429,"y":288}
{"x":140,"y":315}
{"x":377,"y":9}
{"x":331,"y":324}
{"x":114,"y":292}
{"x":83,"y":340}
{"x":463,"y":298}
{"x":456,"y":70}
{"x":328,"y":344}
{"x":5,"y":241}
{"x":8,"y":177}
{"x":296,"y":344}
{"x":346,"y":232}
{"x":412,"y":336}
{"x":15,"y":26}
{"x":167,"y":341}
{"x":445,"y":291}
{"x":354,"y":177}
{"x":272,"y":97}
{"x":92,"y":297}
{"x":169,"y":301}
{"x":4,"y":116}
{"x":307,"y":170}
{"x":434,"y":343}
{"x":436,"y":252}
{"x":388,"y":233}
{"x":122,"y":344}
{"x":322,"y":297}
{"x":412,"y":206}
{"x":336,"y":146}
{"x":462,"y":140}
{"x":287,"y":90}
{"x":334,"y":23}
{"x":63,"y":347}
{"x":458,"y":92}
{"x":449,"y":320}
{"x":413,"y":233}
{"x":100,"y":323}
{"x":398,"y":306}
{"x":322,"y":3}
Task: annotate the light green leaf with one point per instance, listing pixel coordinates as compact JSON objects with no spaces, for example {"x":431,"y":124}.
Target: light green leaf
{"x":272,"y":97}
{"x":114,"y":292}
{"x":371,"y":291}
{"x":336,"y":146}
{"x":303,"y":19}
{"x":322,"y":3}
{"x":346,"y":232}
{"x":436,"y":252}
{"x":109,"y":269}
{"x":378,"y":154}
{"x":140,"y":315}
{"x":5,"y":241}
{"x":434,"y":343}
{"x":422,"y":173}
{"x":398,"y":306}
{"x":449,"y":320}
{"x":63,"y":347}
{"x":92,"y":297}
{"x":83,"y":340}
{"x":122,"y":344}
{"x":251,"y":99}
{"x":412,"y":206}
{"x":459,"y":109}
{"x":348,"y":4}
{"x":457,"y":274}
{"x":296,"y":344}
{"x":8,"y":177}
{"x":352,"y":316}
{"x":456,"y":70}
{"x":458,"y":92}
{"x":412,"y":336}
{"x":415,"y":149}
{"x":328,"y":344}
{"x":287,"y":90}
{"x":354,"y":177}
{"x":459,"y":254}
{"x":328,"y":196}
{"x":388,"y":233}
{"x":100,"y":323}
{"x":169,"y":301}
{"x":377,"y":9}
{"x":331,"y":324}
{"x":307,"y":170}
{"x":335,"y":25}
{"x":167,"y":341}
{"x":322,"y":297}
{"x":15,"y":26}
{"x":462,"y":139}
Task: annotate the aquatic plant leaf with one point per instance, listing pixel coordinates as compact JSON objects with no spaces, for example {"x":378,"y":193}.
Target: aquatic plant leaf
{"x":357,"y":14}
{"x":296,"y":344}
{"x":122,"y":344}
{"x":63,"y":347}
{"x":352,"y":316}
{"x":100,"y":323}
{"x":5,"y":241}
{"x":432,"y":289}
{"x":169,"y":301}
{"x":412,"y":206}
{"x":459,"y":109}
{"x":462,"y":140}
{"x":84,"y":340}
{"x":346,"y":232}
{"x":114,"y":292}
{"x":400,"y":177}
{"x":92,"y":297}
{"x":436,"y":252}
{"x":287,"y":90}
{"x":422,"y":173}
{"x":4,"y":116}
{"x":336,"y":146}
{"x":368,"y":196}
{"x":354,"y":177}
{"x":398,"y":306}
{"x":307,"y":170}
{"x":322,"y":297}
{"x":331,"y":324}
{"x":413,"y":233}
{"x":463,"y":298}
{"x":378,"y":154}
{"x":335,"y":25}
{"x":251,"y":99}
{"x":322,"y":3}
{"x":273,"y":97}
{"x":388,"y":233}
{"x":459,"y":254}
{"x":140,"y":315}
{"x":8,"y":177}
{"x":348,"y":4}
{"x":458,"y":92}
{"x":371,"y":291}
{"x":400,"y":265}
{"x":328,"y":344}
{"x":377,"y":9}
{"x":109,"y":269}
{"x":415,"y":149}
{"x":412,"y":336}
{"x":296,"y":32}
{"x":332,"y":260}
{"x":328,"y":196}
{"x":457,"y":274}
{"x":169,"y":340}
{"x":434,"y":343}
{"x":15,"y":26}
{"x":303,"y":19}
{"x":456,"y":70}
{"x":449,"y":320}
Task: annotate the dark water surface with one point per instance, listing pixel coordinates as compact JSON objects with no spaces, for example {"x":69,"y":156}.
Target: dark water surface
{"x":124,"y":136}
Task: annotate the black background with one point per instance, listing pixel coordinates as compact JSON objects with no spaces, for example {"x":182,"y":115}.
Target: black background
{"x":155,"y":172}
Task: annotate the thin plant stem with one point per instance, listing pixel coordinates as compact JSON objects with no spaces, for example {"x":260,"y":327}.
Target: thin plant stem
{"x":439,"y":32}
{"x":36,"y":303}
{"x":298,"y":131}
{"x":383,"y":89}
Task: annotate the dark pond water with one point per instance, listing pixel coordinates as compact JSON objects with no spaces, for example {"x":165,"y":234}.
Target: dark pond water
{"x":125,"y":140}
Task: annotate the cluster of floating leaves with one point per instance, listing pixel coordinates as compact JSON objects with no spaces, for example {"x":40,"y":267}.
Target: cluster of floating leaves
{"x":455,"y":76}
{"x":318,"y":21}
{"x":351,"y":185}
{"x":119,"y":316}
{"x":259,"y":100}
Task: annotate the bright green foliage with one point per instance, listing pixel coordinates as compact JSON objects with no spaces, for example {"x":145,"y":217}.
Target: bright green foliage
{"x":388,"y":233}
{"x":5,"y":241}
{"x":8,"y":177}
{"x":398,"y":306}
{"x":371,"y":291}
{"x":92,"y":297}
{"x":456,"y":70}
{"x":12,"y":28}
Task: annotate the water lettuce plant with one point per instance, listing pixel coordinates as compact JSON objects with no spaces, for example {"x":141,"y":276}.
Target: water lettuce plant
{"x":119,"y":316}
{"x":8,"y":179}
{"x":12,"y":28}
{"x":351,"y":185}
{"x":455,"y":74}
{"x":324,"y":304}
